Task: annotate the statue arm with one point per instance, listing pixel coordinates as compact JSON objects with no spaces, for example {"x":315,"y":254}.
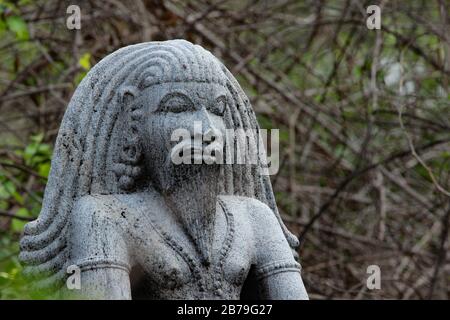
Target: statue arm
{"x":276,"y":273}
{"x":104,"y":284}
{"x":282,"y":285}
{"x":99,"y":250}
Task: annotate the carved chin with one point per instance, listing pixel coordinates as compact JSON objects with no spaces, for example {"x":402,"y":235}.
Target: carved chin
{"x":197,"y":176}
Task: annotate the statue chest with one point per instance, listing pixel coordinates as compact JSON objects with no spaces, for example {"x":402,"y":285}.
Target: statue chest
{"x":168,"y":266}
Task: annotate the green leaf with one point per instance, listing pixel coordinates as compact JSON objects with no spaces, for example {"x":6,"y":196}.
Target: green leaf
{"x":3,"y":26}
{"x":4,"y":194}
{"x":18,"y":225}
{"x":25,"y":2}
{"x":85,"y":62}
{"x":446,"y":154}
{"x":18,"y":197}
{"x":79,"y":77}
{"x":44,"y":149}
{"x":37,"y":137}
{"x":10,"y":187}
{"x":44,"y":169}
{"x":24,"y":212}
{"x":17,"y":25}
{"x":5,"y":275}
{"x":29,"y":153}
{"x":4,"y":205}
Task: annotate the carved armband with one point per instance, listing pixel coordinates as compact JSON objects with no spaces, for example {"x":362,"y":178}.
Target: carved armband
{"x":275,"y":267}
{"x":101,"y":263}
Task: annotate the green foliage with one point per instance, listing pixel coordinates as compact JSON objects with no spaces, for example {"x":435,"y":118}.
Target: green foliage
{"x":37,"y":155}
{"x":10,"y":20}
{"x":18,"y":27}
{"x":85,"y":64}
{"x":14,"y":198}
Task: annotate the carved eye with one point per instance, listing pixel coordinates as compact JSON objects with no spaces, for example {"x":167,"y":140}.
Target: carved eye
{"x":175,"y":102}
{"x":219,"y":106}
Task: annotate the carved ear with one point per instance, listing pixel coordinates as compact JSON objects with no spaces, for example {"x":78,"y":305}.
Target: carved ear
{"x":128,"y":94}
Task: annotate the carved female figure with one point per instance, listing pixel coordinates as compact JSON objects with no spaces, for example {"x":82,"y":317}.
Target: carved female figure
{"x":135,"y":223}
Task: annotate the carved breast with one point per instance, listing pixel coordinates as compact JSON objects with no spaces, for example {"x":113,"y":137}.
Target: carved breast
{"x":166,"y":265}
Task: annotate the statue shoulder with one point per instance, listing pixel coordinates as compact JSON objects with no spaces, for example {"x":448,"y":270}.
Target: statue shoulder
{"x":258,"y":213}
{"x":273,"y":253}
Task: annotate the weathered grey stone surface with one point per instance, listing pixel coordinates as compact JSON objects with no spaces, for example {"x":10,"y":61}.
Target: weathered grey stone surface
{"x":139,"y":226}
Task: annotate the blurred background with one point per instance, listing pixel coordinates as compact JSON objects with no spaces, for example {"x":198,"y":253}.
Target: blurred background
{"x":364,"y":119}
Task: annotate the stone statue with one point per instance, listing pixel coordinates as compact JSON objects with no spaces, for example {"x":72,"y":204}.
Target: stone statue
{"x":134,"y":223}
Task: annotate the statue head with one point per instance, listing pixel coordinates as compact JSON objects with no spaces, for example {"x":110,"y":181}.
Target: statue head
{"x":115,"y":137}
{"x":185,"y":87}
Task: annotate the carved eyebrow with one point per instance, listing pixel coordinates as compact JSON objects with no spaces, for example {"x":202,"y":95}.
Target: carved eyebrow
{"x":221,"y":96}
{"x":175,"y":102}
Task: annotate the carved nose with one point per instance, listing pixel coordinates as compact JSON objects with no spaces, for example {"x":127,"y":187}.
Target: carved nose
{"x":205,"y":128}
{"x":207,"y":122}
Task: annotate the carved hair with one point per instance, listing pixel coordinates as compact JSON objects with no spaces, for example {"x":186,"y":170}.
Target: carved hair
{"x":128,"y":167}
{"x":92,"y":156}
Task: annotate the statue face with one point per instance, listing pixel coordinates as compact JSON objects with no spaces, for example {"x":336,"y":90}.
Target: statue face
{"x":171,"y":106}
